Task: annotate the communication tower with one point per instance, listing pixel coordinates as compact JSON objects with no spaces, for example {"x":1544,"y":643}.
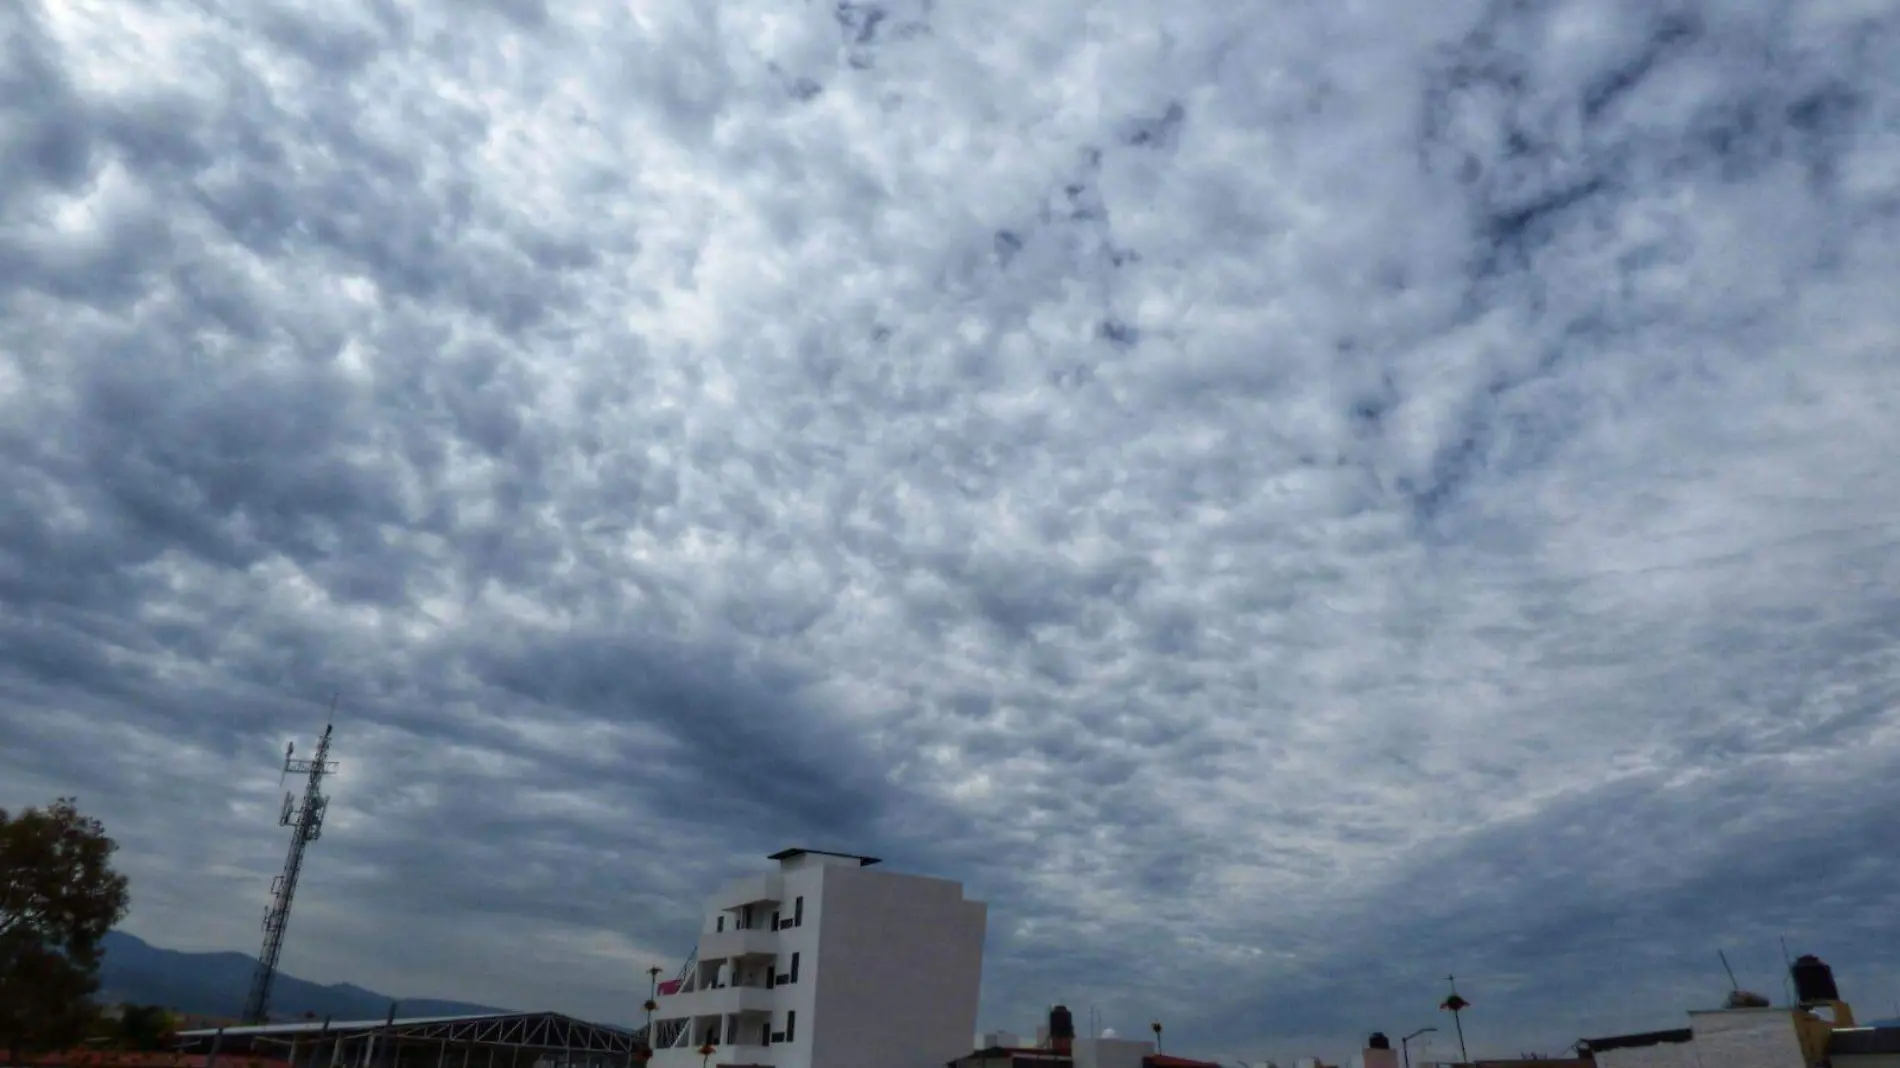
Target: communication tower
{"x":305,"y":820}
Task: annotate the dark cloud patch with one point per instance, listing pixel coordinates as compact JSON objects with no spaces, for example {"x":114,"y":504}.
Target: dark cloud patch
{"x":47,"y":130}
{"x":1159,"y":133}
{"x":332,"y":48}
{"x":745,"y":742}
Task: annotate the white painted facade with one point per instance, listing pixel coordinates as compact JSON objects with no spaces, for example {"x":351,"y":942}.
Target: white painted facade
{"x":827,"y":962}
{"x":1379,"y":1058}
{"x":1660,"y":1055}
{"x":1747,"y":1038}
{"x":1723,"y":1038}
{"x":1109,"y":1052}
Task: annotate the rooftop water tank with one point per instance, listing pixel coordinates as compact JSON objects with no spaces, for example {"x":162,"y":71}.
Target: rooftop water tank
{"x":1378,"y":1041}
{"x":1061,"y":1023}
{"x":1813,"y":980}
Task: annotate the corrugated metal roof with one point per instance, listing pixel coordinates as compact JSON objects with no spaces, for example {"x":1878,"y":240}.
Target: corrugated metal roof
{"x":314,"y":1026}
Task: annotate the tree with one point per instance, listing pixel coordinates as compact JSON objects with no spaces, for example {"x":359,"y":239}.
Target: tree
{"x":58,"y":898}
{"x":144,"y":1028}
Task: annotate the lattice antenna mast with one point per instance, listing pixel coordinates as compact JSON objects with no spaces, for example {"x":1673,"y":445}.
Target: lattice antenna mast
{"x":305,"y":819}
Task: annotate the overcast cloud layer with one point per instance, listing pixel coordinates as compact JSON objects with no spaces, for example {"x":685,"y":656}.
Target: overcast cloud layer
{"x":1286,"y":502}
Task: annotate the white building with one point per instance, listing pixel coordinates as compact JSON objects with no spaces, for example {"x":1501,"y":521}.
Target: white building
{"x":1111,"y":1052}
{"x":1752,"y":1038}
{"x":1742,"y":1038}
{"x":1752,"y":1033}
{"x":824,"y":963}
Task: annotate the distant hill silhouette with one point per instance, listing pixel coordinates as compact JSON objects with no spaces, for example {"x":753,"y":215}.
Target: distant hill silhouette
{"x":215,"y":984}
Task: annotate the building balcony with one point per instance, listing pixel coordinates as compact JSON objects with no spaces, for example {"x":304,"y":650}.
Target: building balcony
{"x":752,"y":890}
{"x":725,"y":945}
{"x":690,"y":1058}
{"x":717,"y":1001}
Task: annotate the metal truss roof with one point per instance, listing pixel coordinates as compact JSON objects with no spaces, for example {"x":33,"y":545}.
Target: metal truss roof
{"x":526,"y":1030}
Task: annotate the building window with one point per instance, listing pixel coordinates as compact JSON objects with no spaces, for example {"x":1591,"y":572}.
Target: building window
{"x":719,"y":924}
{"x":771,"y":974}
{"x":798,"y":912}
{"x":775,"y":923}
{"x":745,"y":917}
{"x":794,"y":967}
{"x":765,"y":1033}
{"x":791,"y":1025}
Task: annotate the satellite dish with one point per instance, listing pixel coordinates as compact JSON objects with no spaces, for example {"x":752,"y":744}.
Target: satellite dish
{"x":1108,"y":1032}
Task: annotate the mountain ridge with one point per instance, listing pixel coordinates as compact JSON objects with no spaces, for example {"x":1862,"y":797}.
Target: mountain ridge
{"x":216,"y":984}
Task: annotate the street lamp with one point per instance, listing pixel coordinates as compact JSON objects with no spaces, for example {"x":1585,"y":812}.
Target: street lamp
{"x":1457,"y":1005}
{"x":1405,"y":1044}
{"x":1156,"y":1028}
{"x":653,"y":993}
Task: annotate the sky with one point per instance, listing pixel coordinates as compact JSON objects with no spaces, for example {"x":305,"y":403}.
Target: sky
{"x":1286,"y":502}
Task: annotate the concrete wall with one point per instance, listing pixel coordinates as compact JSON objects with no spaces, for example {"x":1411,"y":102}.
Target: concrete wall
{"x":1725,"y":1038}
{"x":800,"y":998}
{"x":1747,"y":1038}
{"x":902,"y":963}
{"x":1866,"y":1060}
{"x":1110,"y":1052}
{"x":1661,"y":1055}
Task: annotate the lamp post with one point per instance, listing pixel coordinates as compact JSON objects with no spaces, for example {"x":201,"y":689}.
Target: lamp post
{"x":653,"y":994}
{"x":1405,"y":1044}
{"x":1156,"y":1028}
{"x":1456,"y":1005}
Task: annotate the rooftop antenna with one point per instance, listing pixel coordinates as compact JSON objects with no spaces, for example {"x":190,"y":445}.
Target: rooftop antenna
{"x":1733,"y":986}
{"x":305,"y":819}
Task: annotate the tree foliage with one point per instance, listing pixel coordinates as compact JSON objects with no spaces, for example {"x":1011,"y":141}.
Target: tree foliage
{"x":58,"y":898}
{"x":143,"y":1028}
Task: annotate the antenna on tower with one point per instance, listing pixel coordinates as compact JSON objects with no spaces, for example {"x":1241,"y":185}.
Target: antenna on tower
{"x":305,"y":819}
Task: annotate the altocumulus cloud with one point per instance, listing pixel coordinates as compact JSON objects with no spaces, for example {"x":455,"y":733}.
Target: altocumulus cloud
{"x":1285,"y":504}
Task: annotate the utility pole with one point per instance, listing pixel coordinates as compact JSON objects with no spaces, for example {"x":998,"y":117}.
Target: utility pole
{"x":305,"y":819}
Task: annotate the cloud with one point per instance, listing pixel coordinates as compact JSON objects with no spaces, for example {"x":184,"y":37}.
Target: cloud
{"x":1286,"y":509}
